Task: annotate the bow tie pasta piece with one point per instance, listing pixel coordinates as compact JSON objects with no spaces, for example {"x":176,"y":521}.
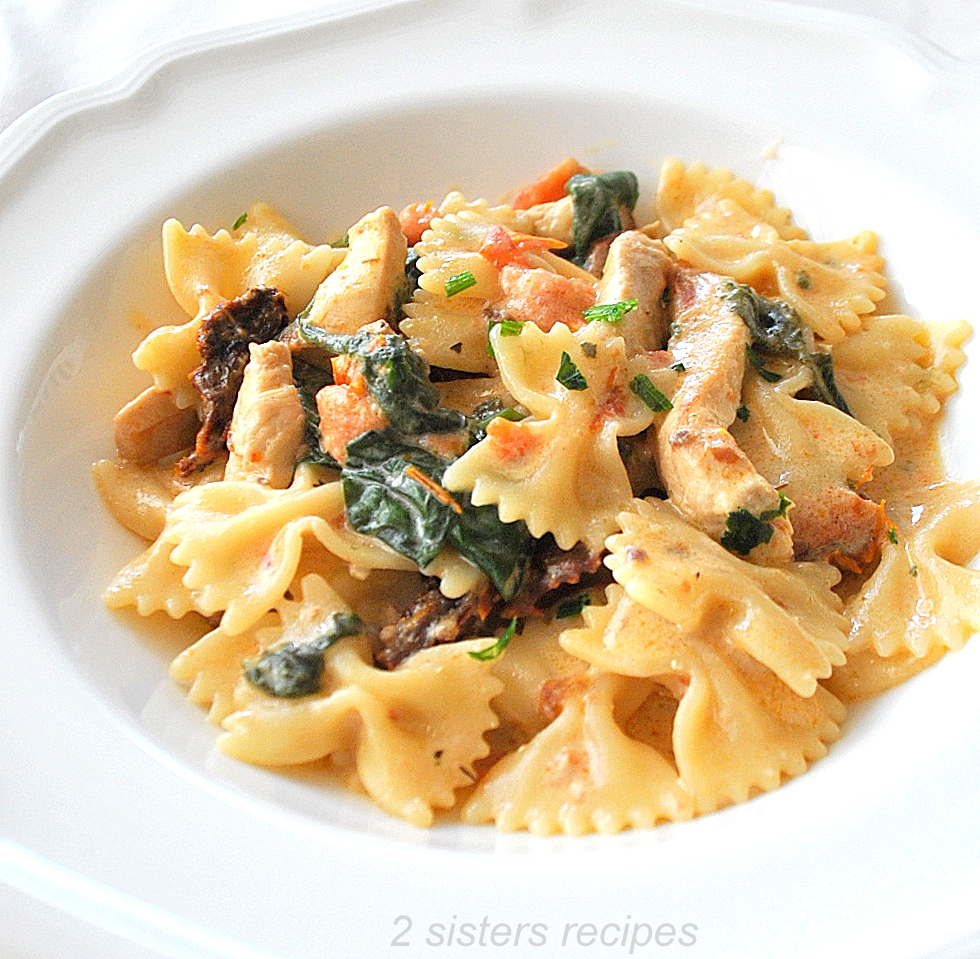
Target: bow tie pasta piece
{"x":151,"y":583}
{"x":415,"y":732}
{"x":737,"y":728}
{"x":830,"y":285}
{"x":816,"y":455}
{"x":922,"y":600}
{"x":682,"y":191}
{"x":786,"y":619}
{"x":559,"y":469}
{"x":898,"y":398}
{"x":582,"y":773}
{"x":204,"y":270}
{"x":451,"y":330}
{"x":236,"y":547}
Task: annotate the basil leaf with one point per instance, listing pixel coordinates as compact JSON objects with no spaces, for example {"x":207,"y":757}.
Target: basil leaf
{"x":609,"y":312}
{"x":743,"y":532}
{"x":602,"y":203}
{"x":569,"y":375}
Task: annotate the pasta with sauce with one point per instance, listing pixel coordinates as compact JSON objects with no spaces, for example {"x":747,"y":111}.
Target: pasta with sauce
{"x":538,"y":514}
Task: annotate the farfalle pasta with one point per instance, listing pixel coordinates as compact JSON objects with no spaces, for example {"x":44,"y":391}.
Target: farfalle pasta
{"x":536,"y":515}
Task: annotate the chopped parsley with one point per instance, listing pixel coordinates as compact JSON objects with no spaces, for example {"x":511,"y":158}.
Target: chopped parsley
{"x":569,"y":375}
{"x":341,"y":243}
{"x":240,"y":221}
{"x":459,"y":282}
{"x":609,"y":312}
{"x":743,"y":413}
{"x":892,"y":536}
{"x":497,"y":649}
{"x":642,"y":386}
{"x":679,"y":368}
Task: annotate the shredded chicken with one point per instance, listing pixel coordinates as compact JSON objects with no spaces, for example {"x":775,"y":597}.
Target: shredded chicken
{"x":637,"y":269}
{"x":707,"y":475}
{"x":268,"y":425}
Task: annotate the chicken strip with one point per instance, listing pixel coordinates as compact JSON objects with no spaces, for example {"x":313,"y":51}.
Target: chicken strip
{"x":637,"y":269}
{"x":268,"y":425}
{"x":708,"y":477}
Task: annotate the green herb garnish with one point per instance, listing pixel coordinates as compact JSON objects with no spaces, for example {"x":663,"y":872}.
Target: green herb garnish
{"x":743,"y":531}
{"x":602,"y":203}
{"x":892,"y":536}
{"x":914,"y":570}
{"x":240,"y":221}
{"x":609,"y":312}
{"x":679,"y":368}
{"x":294,"y":669}
{"x":496,"y":650}
{"x":743,"y":413}
{"x":760,"y":367}
{"x":341,"y":243}
{"x":572,"y":607}
{"x":459,"y":282}
{"x":643,"y":387}
{"x":569,"y":375}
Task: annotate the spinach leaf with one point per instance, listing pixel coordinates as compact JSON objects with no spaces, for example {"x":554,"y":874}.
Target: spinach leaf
{"x":744,"y":531}
{"x":777,"y":329}
{"x":602,"y":203}
{"x":309,"y":380}
{"x":396,"y":377}
{"x":294,"y":669}
{"x":385,"y":501}
{"x":392,"y":491}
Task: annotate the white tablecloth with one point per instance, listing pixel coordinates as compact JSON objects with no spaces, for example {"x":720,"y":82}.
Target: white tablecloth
{"x":48,"y":46}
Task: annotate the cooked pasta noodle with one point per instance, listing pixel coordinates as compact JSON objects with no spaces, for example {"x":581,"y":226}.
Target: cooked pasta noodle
{"x":488,"y":526}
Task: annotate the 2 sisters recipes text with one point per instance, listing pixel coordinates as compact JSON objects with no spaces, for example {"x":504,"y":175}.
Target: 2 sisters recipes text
{"x":562,"y":520}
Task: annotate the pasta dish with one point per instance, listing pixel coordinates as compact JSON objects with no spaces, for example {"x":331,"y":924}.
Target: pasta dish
{"x":536,"y":512}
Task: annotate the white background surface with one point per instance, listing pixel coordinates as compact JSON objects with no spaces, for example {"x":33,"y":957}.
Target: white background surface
{"x":48,"y":46}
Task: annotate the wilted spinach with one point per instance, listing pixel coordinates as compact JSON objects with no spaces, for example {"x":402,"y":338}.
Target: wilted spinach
{"x":395,"y":375}
{"x":777,"y":329}
{"x":295,"y":668}
{"x":602,"y":203}
{"x":393,"y":491}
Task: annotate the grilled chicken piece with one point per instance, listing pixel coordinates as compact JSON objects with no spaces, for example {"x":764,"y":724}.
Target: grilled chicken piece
{"x":543,"y":298}
{"x":151,"y":427}
{"x":707,"y":475}
{"x":636,"y":268}
{"x":268,"y":425}
{"x":841,"y":525}
{"x":365,"y":287}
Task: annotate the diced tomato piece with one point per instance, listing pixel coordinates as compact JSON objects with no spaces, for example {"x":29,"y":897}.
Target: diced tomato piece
{"x":548,"y":187}
{"x":510,"y":440}
{"x":415,"y":219}
{"x":500,"y":249}
{"x":345,"y":414}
